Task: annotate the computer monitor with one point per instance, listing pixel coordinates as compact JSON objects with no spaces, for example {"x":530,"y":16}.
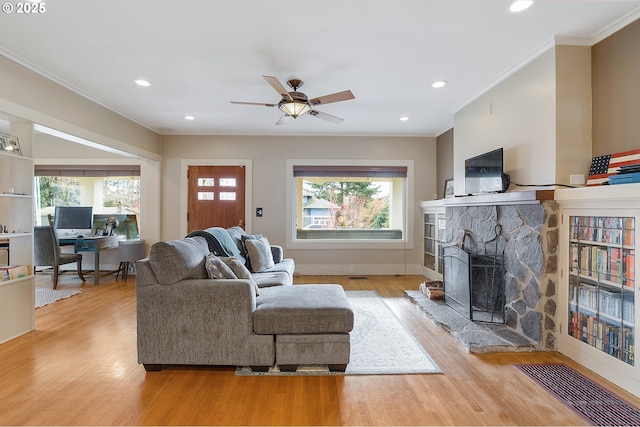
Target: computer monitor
{"x":73,"y":220}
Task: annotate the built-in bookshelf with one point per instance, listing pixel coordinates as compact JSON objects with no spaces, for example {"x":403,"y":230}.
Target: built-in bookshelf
{"x":598,"y":306}
{"x":434,"y":224}
{"x":602,"y":283}
{"x":17,"y":282}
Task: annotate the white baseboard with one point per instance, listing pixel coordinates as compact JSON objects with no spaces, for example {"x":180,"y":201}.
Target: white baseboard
{"x":358,"y":269}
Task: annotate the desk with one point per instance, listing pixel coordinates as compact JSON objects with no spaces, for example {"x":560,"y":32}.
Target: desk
{"x":92,"y":244}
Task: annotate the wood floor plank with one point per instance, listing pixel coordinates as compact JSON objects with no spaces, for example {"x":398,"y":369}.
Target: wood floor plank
{"x":79,"y":367}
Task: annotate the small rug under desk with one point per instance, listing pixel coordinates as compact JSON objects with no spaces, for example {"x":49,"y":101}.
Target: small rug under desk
{"x":380,"y":344}
{"x":49,"y":296}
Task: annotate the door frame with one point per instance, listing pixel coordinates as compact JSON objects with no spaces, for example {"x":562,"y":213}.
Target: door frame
{"x":184,"y":187}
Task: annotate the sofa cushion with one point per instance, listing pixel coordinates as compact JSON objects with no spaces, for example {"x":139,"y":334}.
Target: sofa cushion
{"x":271,"y":278}
{"x":302,"y":309}
{"x":217,"y":268}
{"x":259,"y":254}
{"x":240,"y":271}
{"x":178,"y":260}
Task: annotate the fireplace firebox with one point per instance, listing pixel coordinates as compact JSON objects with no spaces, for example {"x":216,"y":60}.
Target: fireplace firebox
{"x":474,"y":284}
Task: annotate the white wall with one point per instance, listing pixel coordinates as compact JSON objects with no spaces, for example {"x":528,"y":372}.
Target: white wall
{"x":268,"y":156}
{"x":519,"y":115}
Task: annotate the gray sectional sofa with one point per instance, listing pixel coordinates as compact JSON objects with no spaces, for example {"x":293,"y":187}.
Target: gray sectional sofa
{"x":184,"y":317}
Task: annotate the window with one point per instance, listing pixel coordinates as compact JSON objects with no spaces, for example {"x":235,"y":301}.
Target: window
{"x":109,"y":189}
{"x":356,"y":204}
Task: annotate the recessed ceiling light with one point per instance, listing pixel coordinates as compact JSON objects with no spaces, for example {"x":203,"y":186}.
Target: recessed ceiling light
{"x":404,"y":119}
{"x":141,"y":82}
{"x":439,"y":83}
{"x":189,"y":118}
{"x":519,"y":5}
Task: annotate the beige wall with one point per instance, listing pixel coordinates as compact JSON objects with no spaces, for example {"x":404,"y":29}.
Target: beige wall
{"x":268,"y":156}
{"x":26,"y":94}
{"x":445,"y":160}
{"x":28,"y":98}
{"x":518,"y":115}
{"x":573,"y":112}
{"x":616,"y":92}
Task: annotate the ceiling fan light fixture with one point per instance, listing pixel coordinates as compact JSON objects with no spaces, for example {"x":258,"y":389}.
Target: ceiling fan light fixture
{"x":294,"y":108}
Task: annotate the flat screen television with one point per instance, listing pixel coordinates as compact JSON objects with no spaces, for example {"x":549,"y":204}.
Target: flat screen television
{"x":73,"y":220}
{"x":484,"y":174}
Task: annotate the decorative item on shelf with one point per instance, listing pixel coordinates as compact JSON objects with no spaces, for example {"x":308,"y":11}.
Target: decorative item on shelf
{"x":112,"y":222}
{"x":448,"y":189}
{"x":618,"y":168}
{"x":10,"y":144}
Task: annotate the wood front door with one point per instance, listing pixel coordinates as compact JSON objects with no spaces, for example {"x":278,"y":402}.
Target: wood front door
{"x":216,"y":197}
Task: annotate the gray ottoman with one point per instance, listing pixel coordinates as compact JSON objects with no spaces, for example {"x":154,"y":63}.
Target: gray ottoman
{"x":311,"y":324}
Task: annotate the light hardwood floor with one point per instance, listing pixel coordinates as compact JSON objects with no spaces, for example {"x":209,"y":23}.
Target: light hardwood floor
{"x":79,"y":368}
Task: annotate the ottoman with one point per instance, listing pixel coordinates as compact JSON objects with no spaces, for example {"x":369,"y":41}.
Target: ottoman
{"x":311,"y":324}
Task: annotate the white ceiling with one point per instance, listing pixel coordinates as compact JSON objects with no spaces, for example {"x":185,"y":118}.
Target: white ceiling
{"x":201,"y":54}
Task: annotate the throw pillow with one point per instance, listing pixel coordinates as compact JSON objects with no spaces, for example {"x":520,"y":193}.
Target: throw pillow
{"x":259,"y":253}
{"x":240,"y":271}
{"x":217,"y":269}
{"x":244,"y":239}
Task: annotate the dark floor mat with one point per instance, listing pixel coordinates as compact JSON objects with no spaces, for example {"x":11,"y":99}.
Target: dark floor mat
{"x":594,"y":404}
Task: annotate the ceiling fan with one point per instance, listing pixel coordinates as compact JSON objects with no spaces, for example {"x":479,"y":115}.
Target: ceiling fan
{"x":295,"y":104}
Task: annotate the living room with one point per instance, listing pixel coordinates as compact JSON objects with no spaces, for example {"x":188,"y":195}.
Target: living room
{"x":540,"y":113}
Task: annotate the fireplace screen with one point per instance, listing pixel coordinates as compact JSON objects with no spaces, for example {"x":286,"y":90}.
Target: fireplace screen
{"x":474,"y":284}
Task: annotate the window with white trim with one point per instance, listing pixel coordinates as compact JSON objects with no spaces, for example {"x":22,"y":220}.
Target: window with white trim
{"x":333,"y":203}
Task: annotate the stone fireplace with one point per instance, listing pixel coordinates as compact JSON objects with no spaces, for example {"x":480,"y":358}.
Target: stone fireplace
{"x":524,"y":232}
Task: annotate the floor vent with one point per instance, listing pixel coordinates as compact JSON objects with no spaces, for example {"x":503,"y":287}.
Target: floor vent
{"x":358,"y":278}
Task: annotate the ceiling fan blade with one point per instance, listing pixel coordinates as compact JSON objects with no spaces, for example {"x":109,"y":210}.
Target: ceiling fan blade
{"x":275,"y":83}
{"x":334,"y":97}
{"x":253,"y":103}
{"x":325,"y":116}
{"x":283,"y":120}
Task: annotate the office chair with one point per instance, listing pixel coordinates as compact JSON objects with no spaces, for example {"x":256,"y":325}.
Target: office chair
{"x":47,"y":253}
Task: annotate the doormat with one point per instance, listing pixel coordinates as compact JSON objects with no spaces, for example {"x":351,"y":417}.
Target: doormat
{"x":594,"y":404}
{"x":380,"y":344}
{"x":48,"y":296}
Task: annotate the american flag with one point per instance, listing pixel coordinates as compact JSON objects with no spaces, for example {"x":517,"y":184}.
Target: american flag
{"x":602,"y":167}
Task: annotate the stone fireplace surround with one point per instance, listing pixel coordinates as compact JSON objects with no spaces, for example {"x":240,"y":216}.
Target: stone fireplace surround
{"x":528,"y":239}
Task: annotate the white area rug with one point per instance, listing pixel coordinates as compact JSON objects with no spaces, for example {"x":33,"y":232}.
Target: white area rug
{"x":379,"y":344}
{"x":48,"y":296}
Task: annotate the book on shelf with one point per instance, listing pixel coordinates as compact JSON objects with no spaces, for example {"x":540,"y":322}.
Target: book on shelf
{"x":10,"y":272}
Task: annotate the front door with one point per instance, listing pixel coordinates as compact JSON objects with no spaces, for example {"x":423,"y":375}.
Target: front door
{"x":216,"y":197}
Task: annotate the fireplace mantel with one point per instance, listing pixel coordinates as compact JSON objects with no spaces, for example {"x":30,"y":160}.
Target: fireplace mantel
{"x":532,"y":197}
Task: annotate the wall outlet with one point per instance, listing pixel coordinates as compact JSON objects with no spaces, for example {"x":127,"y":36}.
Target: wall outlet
{"x":577,"y":180}
{"x":259,"y":212}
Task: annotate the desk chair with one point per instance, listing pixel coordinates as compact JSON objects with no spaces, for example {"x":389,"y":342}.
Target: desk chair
{"x":129,"y":251}
{"x":46,"y":252}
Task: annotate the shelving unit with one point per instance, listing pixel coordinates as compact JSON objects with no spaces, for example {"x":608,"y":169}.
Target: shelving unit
{"x":602,"y":283}
{"x":434,"y":224}
{"x":598,"y":304}
{"x":17,"y":296}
